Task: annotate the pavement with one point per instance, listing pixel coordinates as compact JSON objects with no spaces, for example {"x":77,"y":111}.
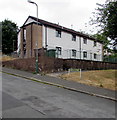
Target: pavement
{"x":70,"y":85}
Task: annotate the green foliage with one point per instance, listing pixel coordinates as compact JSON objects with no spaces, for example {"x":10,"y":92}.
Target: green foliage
{"x":106,"y":19}
{"x":9,"y":36}
{"x":103,"y":39}
{"x":101,"y":85}
{"x":110,"y":20}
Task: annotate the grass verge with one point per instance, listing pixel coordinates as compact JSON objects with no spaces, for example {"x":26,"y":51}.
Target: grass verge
{"x":98,"y":78}
{"x":6,"y":58}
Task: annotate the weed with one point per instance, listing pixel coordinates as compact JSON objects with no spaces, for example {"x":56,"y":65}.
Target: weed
{"x":101,"y":85}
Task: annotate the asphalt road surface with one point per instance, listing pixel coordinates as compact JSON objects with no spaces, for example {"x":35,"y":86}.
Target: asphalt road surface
{"x":22,"y":98}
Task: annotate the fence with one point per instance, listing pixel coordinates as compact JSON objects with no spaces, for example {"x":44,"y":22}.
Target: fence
{"x":73,"y":54}
{"x":110,"y":59}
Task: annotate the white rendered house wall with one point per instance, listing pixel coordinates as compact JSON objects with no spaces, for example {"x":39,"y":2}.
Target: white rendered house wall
{"x":65,"y":42}
{"x":30,"y":20}
{"x":18,"y":40}
{"x":91,"y":49}
{"x":67,"y":45}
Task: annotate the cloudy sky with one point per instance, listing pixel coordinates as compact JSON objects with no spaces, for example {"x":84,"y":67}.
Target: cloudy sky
{"x":75,"y":13}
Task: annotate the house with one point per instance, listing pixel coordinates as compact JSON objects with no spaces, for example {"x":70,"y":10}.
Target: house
{"x":115,"y":45}
{"x":58,"y":41}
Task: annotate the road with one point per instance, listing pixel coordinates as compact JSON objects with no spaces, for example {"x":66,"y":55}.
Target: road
{"x":23,"y":98}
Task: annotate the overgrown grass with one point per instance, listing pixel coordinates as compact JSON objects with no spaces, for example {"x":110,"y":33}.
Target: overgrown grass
{"x":6,"y":58}
{"x":99,"y":78}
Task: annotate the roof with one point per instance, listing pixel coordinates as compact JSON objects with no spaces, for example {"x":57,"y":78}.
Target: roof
{"x":56,"y":26}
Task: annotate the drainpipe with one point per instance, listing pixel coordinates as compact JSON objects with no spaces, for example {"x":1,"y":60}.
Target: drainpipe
{"x":46,"y":36}
{"x":31,"y":40}
{"x":80,"y":46}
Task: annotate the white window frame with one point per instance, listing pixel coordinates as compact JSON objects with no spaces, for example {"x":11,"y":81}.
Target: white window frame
{"x":85,"y":40}
{"x":59,"y":50}
{"x":84,"y":54}
{"x":73,"y":53}
{"x":24,"y":34}
{"x":58,"y":33}
{"x":73,"y":37}
{"x":95,"y":56}
{"x":94,"y":43}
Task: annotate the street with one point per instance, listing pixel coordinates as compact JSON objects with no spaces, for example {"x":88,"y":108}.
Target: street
{"x":22,"y":98}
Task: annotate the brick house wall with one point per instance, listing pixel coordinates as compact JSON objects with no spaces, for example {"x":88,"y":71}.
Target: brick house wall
{"x":33,"y":34}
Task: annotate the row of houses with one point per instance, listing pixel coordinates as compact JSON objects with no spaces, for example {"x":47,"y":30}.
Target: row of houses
{"x":58,"y":41}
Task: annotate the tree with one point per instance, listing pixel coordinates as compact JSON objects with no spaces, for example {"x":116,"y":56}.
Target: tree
{"x":106,"y":19}
{"x":103,"y":39}
{"x":9,"y":36}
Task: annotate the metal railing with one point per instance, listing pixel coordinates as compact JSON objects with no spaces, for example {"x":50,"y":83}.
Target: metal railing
{"x":110,"y":59}
{"x":68,"y":54}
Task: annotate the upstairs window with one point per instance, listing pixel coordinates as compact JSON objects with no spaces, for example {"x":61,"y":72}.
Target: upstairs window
{"x":95,"y":56}
{"x":95,"y":43}
{"x":58,"y":33}
{"x":85,"y":54}
{"x":85,"y":40}
{"x":73,"y":37}
{"x":24,"y":34}
{"x":58,"y":50}
{"x":73,"y":53}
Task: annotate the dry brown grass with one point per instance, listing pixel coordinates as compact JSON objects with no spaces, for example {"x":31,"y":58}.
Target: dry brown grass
{"x":6,"y":58}
{"x":99,"y":78}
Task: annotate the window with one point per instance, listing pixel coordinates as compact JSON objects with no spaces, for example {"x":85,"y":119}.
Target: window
{"x":73,"y":37}
{"x":58,"y":33}
{"x":85,"y":40}
{"x":24,"y":34}
{"x":58,"y":50}
{"x":95,"y":43}
{"x":24,"y":41}
{"x":95,"y":56}
{"x":85,"y":54}
{"x":24,"y":48}
{"x":73,"y":53}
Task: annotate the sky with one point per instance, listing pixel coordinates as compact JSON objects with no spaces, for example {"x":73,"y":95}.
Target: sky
{"x":73,"y":14}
